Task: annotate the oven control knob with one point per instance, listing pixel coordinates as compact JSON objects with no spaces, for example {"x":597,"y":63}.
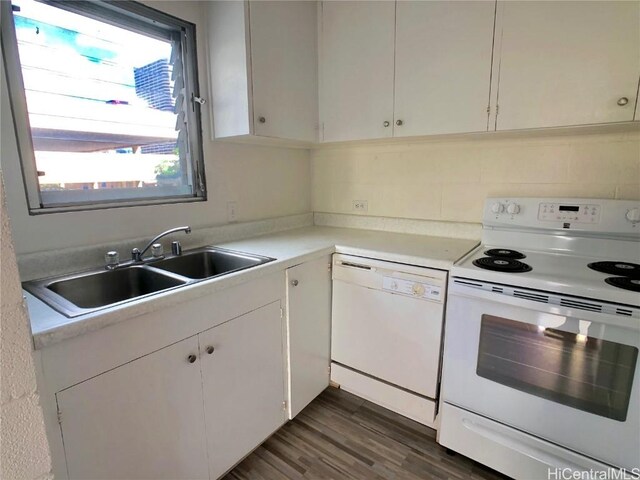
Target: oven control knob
{"x":633,"y":215}
{"x":513,"y":209}
{"x":497,"y":207}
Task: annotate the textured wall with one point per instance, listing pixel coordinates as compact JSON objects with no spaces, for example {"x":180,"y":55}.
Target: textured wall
{"x":24,"y":451}
{"x":442,"y":179}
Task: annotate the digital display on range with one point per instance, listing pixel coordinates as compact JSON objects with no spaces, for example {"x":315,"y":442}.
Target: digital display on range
{"x":568,"y":208}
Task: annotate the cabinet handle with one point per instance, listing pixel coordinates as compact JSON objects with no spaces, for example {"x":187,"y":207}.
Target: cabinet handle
{"x":262,"y":120}
{"x":623,"y":101}
{"x":399,"y":122}
{"x":191,"y":358}
{"x":386,"y":123}
{"x":294,"y":283}
{"x":210,"y":349}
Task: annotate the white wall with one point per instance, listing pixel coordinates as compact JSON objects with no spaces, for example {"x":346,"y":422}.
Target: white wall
{"x":264,"y":181}
{"x":448,"y":179}
{"x":24,"y":450}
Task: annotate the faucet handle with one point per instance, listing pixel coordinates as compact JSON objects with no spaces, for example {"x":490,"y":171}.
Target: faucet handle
{"x":111,"y":259}
{"x":135,"y":254}
{"x":157,"y":250}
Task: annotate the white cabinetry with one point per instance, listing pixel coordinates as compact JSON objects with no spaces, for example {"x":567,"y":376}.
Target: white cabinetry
{"x":309,"y":324}
{"x":411,"y":68}
{"x":567,"y":63}
{"x":243,"y":383}
{"x":144,"y":419}
{"x":263,"y":69}
{"x":148,"y":397}
{"x":356,"y":70}
{"x":442,"y":66}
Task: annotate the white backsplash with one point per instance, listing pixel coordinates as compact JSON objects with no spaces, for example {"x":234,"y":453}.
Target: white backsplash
{"x":441,"y":179}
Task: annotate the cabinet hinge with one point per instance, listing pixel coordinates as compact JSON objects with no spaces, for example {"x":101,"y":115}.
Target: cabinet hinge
{"x":488,"y":108}
{"x":59,"y":415}
{"x":284,"y":405}
{"x":329,"y":369}
{"x":497,"y":109}
{"x":281,"y":312}
{"x":329,"y":266}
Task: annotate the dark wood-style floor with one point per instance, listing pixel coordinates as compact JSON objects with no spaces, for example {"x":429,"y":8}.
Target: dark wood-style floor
{"x":340,"y":436}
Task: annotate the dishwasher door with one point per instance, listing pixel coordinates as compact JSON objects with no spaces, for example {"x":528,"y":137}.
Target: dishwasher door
{"x":387,"y":321}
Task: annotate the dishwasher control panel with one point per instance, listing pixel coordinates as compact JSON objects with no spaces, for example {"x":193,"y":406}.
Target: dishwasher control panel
{"x":412,"y":288}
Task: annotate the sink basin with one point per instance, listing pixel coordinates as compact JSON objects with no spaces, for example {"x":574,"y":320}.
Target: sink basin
{"x":82,"y":293}
{"x":108,"y":287}
{"x":207,"y":263}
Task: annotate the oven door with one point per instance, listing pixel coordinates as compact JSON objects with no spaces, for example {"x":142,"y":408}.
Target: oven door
{"x":566,"y":375}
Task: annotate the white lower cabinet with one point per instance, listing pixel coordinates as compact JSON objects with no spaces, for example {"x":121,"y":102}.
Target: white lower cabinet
{"x":243,"y":383}
{"x":309,"y":323}
{"x":184,"y":411}
{"x":144,"y":419}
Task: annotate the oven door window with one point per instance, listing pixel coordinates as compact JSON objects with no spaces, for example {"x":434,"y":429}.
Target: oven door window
{"x":576,"y":370}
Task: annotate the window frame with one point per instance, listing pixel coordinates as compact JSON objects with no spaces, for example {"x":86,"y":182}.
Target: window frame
{"x":122,"y":13}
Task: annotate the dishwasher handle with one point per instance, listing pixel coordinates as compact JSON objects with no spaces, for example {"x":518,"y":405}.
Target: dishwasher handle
{"x":360,"y":266}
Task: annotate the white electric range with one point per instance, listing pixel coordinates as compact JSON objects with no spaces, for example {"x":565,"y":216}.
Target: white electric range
{"x":542,"y":333}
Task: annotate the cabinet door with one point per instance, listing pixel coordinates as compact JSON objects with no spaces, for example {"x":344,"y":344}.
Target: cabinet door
{"x":144,"y":419}
{"x":243,"y":382}
{"x":356,"y":65}
{"x":227,"y":33}
{"x":568,"y":63}
{"x":309,"y":323}
{"x":443,"y":66}
{"x":285,"y":69}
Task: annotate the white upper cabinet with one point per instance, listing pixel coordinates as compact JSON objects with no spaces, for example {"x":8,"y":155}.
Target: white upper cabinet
{"x":356,"y":70}
{"x":567,"y":63}
{"x":285,"y":69}
{"x":263,"y":69}
{"x":442,"y":66}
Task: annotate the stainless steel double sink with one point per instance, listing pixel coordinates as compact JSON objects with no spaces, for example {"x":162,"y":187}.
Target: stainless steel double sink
{"x":86,"y":292}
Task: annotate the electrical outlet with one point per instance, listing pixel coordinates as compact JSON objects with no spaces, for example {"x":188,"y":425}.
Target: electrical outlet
{"x":360,"y":205}
{"x":232,"y":208}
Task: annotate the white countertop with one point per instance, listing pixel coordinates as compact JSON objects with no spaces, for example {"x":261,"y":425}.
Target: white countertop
{"x":290,"y":248}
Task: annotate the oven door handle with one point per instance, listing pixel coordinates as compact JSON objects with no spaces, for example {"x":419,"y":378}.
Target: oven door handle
{"x":514,"y":444}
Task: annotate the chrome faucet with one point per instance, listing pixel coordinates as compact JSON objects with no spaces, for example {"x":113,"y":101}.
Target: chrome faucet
{"x":112,"y":259}
{"x":136,"y":254}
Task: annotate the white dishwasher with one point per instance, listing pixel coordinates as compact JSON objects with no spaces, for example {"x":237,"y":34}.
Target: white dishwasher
{"x":386,"y":333}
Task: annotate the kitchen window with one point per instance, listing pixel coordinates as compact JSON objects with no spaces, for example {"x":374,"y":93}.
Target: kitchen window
{"x":106,"y":104}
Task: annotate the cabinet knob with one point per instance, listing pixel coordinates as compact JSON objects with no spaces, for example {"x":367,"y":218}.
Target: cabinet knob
{"x":191,"y":358}
{"x":386,"y":123}
{"x":294,"y":283}
{"x":399,"y":122}
{"x":623,"y":101}
{"x":262,"y":120}
{"x":210,"y":349}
